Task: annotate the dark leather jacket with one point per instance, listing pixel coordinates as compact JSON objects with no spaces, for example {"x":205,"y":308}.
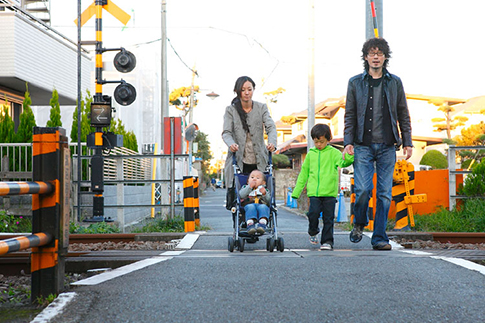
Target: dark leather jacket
{"x":356,"y":105}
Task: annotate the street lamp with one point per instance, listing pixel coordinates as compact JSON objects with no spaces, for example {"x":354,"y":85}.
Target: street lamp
{"x":212,"y":95}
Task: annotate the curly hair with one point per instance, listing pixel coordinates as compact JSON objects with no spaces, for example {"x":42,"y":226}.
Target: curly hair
{"x":379,"y":43}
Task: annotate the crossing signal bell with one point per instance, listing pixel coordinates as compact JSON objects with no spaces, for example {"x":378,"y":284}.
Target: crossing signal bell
{"x":124,"y":62}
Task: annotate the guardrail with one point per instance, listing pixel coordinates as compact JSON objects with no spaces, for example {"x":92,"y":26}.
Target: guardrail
{"x":50,"y":211}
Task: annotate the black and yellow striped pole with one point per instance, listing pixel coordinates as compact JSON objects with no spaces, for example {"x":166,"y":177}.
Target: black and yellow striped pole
{"x":196,"y":202}
{"x":189,"y":214}
{"x":50,"y":212}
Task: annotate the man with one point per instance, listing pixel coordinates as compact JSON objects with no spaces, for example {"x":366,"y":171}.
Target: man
{"x":376,"y":117}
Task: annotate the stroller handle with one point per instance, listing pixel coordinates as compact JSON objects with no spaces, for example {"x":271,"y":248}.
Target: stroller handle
{"x":270,"y":158}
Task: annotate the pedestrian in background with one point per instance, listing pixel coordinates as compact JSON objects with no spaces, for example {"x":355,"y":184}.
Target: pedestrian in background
{"x":320,"y":173}
{"x":245,"y":123}
{"x":376,"y":124}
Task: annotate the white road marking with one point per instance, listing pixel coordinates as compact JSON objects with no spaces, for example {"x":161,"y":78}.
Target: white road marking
{"x":463,"y":263}
{"x":417,"y":252}
{"x":98,"y":279}
{"x":188,"y":241}
{"x":54,"y":308}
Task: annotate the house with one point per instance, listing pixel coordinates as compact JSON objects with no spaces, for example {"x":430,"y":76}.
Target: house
{"x":35,"y":55}
{"x":423,"y":109}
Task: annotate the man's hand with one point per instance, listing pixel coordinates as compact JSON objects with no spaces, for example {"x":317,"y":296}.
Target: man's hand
{"x":349,"y":149}
{"x":408,"y":152}
{"x":271,"y":147}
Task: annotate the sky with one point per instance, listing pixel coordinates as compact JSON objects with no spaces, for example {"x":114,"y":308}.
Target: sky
{"x":437,"y":47}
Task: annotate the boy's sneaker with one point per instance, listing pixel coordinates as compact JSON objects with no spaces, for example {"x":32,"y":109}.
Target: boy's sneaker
{"x":314,"y":239}
{"x":251,"y":229}
{"x":326,"y":246}
{"x":382,"y":246}
{"x":260,"y":228}
{"x":356,"y":233}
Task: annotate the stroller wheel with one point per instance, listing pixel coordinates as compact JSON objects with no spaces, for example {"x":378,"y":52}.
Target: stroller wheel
{"x":280,"y":244}
{"x":271,"y":244}
{"x":240,"y":244}
{"x":230,"y":244}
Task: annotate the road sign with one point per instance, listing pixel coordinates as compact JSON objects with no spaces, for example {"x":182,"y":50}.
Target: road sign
{"x":113,"y":9}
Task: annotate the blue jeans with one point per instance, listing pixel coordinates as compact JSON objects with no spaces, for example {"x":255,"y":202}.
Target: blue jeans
{"x":256,"y":211}
{"x":378,"y":158}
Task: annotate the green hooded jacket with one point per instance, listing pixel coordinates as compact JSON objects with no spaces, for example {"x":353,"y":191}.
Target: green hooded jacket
{"x":320,"y":172}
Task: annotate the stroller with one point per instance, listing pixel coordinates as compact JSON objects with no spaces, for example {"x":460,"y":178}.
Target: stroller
{"x":240,"y":235}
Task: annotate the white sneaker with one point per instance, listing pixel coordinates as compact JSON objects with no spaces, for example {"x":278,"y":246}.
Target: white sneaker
{"x":326,"y":246}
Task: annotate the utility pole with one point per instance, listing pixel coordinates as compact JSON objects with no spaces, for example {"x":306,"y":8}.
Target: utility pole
{"x":164,"y":85}
{"x":311,"y":74}
{"x":373,"y":19}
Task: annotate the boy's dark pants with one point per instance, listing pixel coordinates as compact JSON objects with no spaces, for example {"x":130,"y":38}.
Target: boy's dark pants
{"x":327,"y":206}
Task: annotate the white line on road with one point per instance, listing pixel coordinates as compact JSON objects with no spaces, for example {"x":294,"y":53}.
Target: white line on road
{"x":417,"y":252}
{"x":188,"y":241}
{"x":121,"y":271}
{"x":463,"y":263}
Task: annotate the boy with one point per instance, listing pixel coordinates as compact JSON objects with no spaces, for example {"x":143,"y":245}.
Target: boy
{"x":320,"y":169}
{"x":256,"y":200}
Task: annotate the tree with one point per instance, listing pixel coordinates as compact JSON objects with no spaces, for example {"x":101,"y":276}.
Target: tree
{"x":203,"y":152}
{"x":449,"y":123}
{"x":7,"y":126}
{"x":85,"y":123}
{"x":27,"y":120}
{"x":129,"y":138}
{"x":176,"y":98}
{"x":55,"y":116}
{"x":435,"y":159}
{"x":471,"y":136}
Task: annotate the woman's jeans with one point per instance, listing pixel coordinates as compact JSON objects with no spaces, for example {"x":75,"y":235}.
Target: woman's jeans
{"x":378,"y":158}
{"x":325,"y":205}
{"x":256,"y":211}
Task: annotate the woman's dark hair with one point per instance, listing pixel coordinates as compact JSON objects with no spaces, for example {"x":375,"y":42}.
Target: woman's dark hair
{"x":237,"y":102}
{"x":320,"y":130}
{"x":379,"y":43}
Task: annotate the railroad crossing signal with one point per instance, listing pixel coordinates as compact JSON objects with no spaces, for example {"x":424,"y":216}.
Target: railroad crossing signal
{"x":109,"y":6}
{"x":100,"y":114}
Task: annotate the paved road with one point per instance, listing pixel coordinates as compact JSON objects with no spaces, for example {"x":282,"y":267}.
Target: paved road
{"x":353,"y":283}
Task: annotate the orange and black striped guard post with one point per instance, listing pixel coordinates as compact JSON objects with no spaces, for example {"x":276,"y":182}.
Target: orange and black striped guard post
{"x":370,"y":210}
{"x":189,"y":217}
{"x":196,"y":202}
{"x":47,"y":268}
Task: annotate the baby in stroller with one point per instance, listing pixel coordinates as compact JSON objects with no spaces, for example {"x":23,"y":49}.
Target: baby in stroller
{"x":256,"y":199}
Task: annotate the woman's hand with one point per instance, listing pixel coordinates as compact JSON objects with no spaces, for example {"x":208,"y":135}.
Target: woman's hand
{"x":271,"y":147}
{"x":234,"y":147}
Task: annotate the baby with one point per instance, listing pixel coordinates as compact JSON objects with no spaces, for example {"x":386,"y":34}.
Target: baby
{"x":256,"y":200}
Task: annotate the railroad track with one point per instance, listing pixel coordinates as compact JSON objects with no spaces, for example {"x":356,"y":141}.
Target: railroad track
{"x":13,"y":263}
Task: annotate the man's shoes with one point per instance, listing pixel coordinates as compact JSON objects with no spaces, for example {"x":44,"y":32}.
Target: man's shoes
{"x":251,"y":229}
{"x":260,"y":228}
{"x":382,"y":246}
{"x":356,"y":233}
{"x":326,"y":246}
{"x":314,"y":239}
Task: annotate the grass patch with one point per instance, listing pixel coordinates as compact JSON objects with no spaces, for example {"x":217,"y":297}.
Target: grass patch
{"x":177,"y":224}
{"x":14,"y":223}
{"x":469,"y":217}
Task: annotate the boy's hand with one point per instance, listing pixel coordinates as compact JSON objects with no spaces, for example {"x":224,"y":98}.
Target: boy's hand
{"x":349,"y":149}
{"x":262,"y":190}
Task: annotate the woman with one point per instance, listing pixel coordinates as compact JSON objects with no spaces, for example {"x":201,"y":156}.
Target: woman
{"x":245,"y":122}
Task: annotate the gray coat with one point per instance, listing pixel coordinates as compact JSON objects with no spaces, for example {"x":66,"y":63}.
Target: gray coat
{"x":259,"y":121}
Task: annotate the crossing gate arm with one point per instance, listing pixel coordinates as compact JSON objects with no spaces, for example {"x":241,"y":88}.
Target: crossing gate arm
{"x":24,"y":242}
{"x":20,"y":188}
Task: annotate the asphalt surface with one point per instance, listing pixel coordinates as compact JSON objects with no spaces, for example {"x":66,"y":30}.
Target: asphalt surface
{"x":352,"y":283}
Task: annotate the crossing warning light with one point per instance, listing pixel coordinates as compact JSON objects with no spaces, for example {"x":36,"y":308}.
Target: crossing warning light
{"x":124,"y":61}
